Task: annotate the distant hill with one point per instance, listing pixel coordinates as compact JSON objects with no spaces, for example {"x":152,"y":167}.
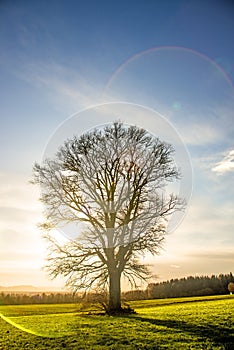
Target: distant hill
{"x":27,"y":288}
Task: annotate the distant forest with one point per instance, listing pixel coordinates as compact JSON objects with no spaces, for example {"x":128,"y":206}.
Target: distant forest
{"x":183,"y":287}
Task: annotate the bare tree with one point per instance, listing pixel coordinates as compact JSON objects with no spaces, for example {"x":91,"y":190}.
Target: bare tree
{"x":112,"y":180}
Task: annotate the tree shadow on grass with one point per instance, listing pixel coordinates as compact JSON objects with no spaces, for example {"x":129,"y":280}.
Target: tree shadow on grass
{"x":220,"y":336}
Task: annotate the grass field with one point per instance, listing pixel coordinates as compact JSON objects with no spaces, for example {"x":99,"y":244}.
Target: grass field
{"x":182,"y":323}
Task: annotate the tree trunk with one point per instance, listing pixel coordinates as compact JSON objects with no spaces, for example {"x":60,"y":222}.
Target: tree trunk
{"x":114,"y":305}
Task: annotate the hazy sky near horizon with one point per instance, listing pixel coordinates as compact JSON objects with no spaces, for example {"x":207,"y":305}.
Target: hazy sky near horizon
{"x":176,"y":57}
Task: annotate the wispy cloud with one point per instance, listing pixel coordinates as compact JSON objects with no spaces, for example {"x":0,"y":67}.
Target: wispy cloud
{"x":208,"y":125}
{"x":199,"y":134}
{"x":63,"y":84}
{"x":225,"y":165}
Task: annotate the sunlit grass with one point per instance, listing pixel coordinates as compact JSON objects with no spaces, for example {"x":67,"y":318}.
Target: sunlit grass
{"x":185,"y":323}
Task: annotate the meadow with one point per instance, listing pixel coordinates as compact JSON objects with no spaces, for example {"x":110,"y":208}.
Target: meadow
{"x":180,"y":323}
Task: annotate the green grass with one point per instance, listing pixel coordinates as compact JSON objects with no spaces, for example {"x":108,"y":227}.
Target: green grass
{"x":182,"y":323}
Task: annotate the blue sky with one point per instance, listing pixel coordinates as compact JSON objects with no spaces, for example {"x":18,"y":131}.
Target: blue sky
{"x":175,"y":57}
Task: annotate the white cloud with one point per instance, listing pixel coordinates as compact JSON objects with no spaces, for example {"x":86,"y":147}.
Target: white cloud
{"x":226,"y":164}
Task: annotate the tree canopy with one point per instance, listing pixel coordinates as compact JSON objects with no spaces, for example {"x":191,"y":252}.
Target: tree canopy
{"x":112,"y":180}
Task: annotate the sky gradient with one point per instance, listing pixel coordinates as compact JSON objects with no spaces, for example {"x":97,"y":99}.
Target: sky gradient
{"x":174,"y":57}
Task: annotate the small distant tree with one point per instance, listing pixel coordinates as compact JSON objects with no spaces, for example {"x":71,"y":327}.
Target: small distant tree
{"x":113,"y":180}
{"x":231,"y":287}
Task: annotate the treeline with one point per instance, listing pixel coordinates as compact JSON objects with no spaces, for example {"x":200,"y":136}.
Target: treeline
{"x":11,"y":298}
{"x":184,"y":287}
{"x":190,"y":286}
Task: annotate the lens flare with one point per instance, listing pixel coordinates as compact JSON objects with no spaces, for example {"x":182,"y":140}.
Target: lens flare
{"x":24,"y":329}
{"x":220,"y":64}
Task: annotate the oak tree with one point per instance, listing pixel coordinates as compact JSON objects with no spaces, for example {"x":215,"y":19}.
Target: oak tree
{"x":110,"y":183}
